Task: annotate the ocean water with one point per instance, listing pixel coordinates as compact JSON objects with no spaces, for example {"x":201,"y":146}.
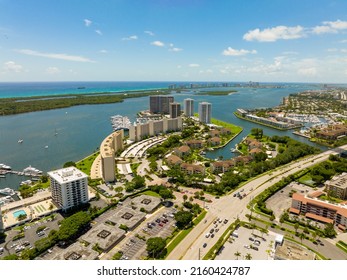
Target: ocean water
{"x":26,"y":89}
{"x":81,"y":129}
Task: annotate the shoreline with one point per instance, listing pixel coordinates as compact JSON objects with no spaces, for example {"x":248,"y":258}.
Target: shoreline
{"x":14,"y":106}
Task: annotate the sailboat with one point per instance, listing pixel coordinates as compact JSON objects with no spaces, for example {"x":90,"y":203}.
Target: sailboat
{"x":55,"y":132}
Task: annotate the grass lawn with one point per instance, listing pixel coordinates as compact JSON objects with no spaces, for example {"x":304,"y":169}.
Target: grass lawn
{"x":307,"y":180}
{"x":151,"y":193}
{"x":234,"y":128}
{"x":86,"y":164}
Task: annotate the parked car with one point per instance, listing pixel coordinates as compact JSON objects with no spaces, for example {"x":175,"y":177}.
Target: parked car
{"x":204,"y":245}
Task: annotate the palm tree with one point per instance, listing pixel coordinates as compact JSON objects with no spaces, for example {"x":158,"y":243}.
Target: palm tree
{"x":296,"y":226}
{"x":237,"y":254}
{"x":248,"y":256}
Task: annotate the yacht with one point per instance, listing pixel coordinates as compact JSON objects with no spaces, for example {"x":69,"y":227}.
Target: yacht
{"x":7,"y":191}
{"x":120,"y":122}
{"x":5,"y":167}
{"x":32,"y":171}
{"x":20,"y":141}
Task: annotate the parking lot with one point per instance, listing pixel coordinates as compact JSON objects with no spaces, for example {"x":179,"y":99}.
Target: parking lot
{"x":247,"y":241}
{"x":161,"y":224}
{"x":33,"y":232}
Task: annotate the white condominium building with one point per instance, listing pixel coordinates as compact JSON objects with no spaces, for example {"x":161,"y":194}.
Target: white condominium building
{"x":69,"y":187}
{"x":189,"y":107}
{"x":205,"y":112}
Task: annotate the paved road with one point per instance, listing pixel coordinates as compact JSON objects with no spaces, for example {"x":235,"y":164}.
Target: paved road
{"x":229,"y":207}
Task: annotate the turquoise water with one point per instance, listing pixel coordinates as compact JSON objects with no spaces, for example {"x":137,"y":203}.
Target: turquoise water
{"x":82,"y":128}
{"x":17,"y":213}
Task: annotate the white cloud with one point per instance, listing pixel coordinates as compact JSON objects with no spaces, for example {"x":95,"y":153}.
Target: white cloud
{"x":175,"y":49}
{"x":52,"y":70}
{"x":233,"y":52}
{"x":103,"y":51}
{"x":194,"y":65}
{"x":158,"y":44}
{"x":87,"y":22}
{"x":150,"y":33}
{"x":330,"y":27}
{"x":98,"y":32}
{"x":275,"y":33}
{"x":343,"y":41}
{"x":130,"y":38}
{"x":309,"y":72}
{"x":11,"y":66}
{"x":61,"y":56}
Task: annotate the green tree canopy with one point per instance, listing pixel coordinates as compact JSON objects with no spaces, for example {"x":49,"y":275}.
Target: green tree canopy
{"x":183,"y":219}
{"x":156,"y":247}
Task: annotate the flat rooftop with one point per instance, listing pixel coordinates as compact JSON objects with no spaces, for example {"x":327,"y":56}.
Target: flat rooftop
{"x":77,"y":251}
{"x":148,"y":202}
{"x":67,"y":175}
{"x":104,"y":235}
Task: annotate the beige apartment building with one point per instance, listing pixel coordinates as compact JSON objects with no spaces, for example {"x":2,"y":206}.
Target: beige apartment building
{"x":108,"y":147}
{"x":337,"y":186}
{"x":319,"y":210}
{"x":140,"y":131}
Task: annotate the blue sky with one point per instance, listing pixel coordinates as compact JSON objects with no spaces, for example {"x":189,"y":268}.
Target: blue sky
{"x":177,"y":40}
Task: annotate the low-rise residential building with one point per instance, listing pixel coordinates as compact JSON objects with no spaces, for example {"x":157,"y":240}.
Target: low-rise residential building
{"x":337,"y":186}
{"x":195,"y":143}
{"x":333,"y":132}
{"x":319,"y":210}
{"x":222,"y":166}
{"x":214,"y":133}
{"x":255,"y":151}
{"x":243,"y":159}
{"x":214,"y":141}
{"x":182,"y":151}
{"x":225,"y":131}
{"x":192,"y":169}
{"x":174,"y":160}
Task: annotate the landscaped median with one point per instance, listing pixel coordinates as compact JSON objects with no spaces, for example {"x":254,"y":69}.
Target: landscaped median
{"x":177,"y":237}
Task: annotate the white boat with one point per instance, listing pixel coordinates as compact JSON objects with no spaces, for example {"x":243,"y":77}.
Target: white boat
{"x":26,"y":182}
{"x":120,"y":122}
{"x":7,"y":191}
{"x":20,"y":141}
{"x":46,"y":147}
{"x":31,"y":171}
{"x":4,"y":166}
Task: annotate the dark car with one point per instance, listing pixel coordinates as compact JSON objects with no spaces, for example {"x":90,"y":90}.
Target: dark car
{"x":204,"y":245}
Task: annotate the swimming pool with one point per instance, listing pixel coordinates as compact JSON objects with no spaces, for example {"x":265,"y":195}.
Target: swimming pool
{"x":17,"y":213}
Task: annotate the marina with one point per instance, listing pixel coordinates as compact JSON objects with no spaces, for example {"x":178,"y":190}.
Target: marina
{"x":119,"y":122}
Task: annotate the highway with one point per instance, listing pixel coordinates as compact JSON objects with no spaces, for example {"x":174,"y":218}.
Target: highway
{"x":229,"y":207}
